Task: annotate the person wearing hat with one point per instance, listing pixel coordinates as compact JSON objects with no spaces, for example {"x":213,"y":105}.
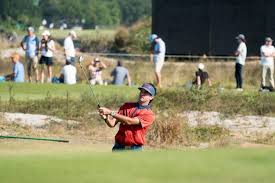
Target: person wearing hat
{"x":134,"y":119}
{"x":47,"y":51}
{"x":18,"y":74}
{"x":69,"y":48}
{"x":30,"y":45}
{"x":201,"y":77}
{"x":95,"y":71}
{"x":240,"y":53}
{"x":267,"y":62}
{"x":158,"y":56}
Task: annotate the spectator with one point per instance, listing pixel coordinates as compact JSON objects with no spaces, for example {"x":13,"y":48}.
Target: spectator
{"x":30,"y":44}
{"x":240,"y":61}
{"x":47,"y":50}
{"x":158,"y":56}
{"x":119,"y":74}
{"x":68,"y":74}
{"x":95,"y":71}
{"x":267,"y":62}
{"x":18,"y":74}
{"x":69,"y":47}
{"x":201,"y":77}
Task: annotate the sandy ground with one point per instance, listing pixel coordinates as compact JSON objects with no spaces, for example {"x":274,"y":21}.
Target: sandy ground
{"x":240,"y":126}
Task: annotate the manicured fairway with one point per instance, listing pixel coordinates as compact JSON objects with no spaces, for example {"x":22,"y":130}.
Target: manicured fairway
{"x":68,"y":163}
{"x":27,"y":91}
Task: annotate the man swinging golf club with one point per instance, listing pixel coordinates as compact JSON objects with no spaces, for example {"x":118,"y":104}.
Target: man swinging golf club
{"x":134,"y":119}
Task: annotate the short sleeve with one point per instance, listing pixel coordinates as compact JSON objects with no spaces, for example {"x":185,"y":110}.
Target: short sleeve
{"x":197,"y":74}
{"x":206,"y":75}
{"x":146,"y":119}
{"x":24,"y":39}
{"x":15,"y":69}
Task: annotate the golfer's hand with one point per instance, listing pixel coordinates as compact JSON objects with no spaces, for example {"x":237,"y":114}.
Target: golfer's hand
{"x":104,"y":117}
{"x":104,"y":111}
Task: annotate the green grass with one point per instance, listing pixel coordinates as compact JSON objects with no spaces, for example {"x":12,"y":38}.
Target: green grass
{"x":190,"y":166}
{"x":26,"y":91}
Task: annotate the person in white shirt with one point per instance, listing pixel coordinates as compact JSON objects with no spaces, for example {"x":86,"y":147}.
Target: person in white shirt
{"x":267,"y":62}
{"x":47,"y":48}
{"x":158,"y":56}
{"x":69,"y":47}
{"x":240,"y":53}
{"x":68,"y":74}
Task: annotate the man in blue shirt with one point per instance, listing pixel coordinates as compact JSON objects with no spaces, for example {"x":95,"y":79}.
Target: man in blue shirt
{"x":18,"y":74}
{"x":30,"y":44}
{"x":119,"y":74}
{"x":157,"y":56}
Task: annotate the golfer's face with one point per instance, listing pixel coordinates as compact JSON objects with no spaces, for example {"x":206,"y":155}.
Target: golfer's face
{"x":145,"y":96}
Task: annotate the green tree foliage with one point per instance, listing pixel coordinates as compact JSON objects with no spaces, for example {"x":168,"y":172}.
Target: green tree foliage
{"x":94,"y":12}
{"x":133,"y":10}
{"x":23,"y":12}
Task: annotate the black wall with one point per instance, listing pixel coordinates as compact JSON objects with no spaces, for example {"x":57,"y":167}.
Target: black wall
{"x":209,"y":27}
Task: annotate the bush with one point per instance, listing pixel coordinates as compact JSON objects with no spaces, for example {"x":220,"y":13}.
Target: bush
{"x":100,"y":44}
{"x":134,"y":40}
{"x":121,"y":39}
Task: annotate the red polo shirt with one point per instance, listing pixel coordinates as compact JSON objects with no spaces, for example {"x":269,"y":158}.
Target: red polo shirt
{"x":129,"y":135}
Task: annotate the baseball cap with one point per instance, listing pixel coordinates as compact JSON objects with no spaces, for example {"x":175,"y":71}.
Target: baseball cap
{"x":30,"y":29}
{"x":153,"y":37}
{"x":72,"y":33}
{"x":201,"y":66}
{"x":46,"y":33}
{"x":268,"y":39}
{"x":150,"y":88}
{"x":97,"y":59}
{"x":240,"y":36}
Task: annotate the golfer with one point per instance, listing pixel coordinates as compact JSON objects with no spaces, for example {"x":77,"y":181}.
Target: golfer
{"x":134,"y":119}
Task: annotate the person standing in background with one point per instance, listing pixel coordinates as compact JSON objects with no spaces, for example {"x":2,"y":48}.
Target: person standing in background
{"x":69,"y":48}
{"x":240,"y":53}
{"x":30,"y":45}
{"x":158,"y":56}
{"x":267,"y":62}
{"x":47,"y":51}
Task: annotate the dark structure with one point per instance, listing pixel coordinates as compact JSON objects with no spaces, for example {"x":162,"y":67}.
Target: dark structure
{"x":197,"y":27}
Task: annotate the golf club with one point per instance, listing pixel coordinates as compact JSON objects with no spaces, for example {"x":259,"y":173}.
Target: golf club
{"x":34,"y":138}
{"x":81,"y":59}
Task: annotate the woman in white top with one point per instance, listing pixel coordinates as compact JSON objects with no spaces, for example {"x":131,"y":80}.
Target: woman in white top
{"x":47,"y":50}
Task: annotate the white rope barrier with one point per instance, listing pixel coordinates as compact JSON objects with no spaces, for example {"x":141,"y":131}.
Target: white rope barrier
{"x":173,"y":56}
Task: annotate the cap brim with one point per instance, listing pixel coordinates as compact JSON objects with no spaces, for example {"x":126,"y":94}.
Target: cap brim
{"x":145,"y":90}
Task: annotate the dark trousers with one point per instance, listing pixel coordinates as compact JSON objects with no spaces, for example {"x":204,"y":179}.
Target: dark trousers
{"x":238,"y":75}
{"x":119,"y":147}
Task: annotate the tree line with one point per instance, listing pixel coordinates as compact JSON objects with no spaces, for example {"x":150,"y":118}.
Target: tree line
{"x":87,"y":13}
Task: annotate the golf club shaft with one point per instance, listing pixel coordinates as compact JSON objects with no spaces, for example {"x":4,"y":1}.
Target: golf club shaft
{"x":98,"y":105}
{"x":32,"y":138}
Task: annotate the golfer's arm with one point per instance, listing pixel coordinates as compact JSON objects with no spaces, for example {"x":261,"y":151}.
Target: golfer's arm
{"x":129,"y":80}
{"x":111,"y":122}
{"x":198,"y":81}
{"x":126,"y":120}
{"x":209,"y":82}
